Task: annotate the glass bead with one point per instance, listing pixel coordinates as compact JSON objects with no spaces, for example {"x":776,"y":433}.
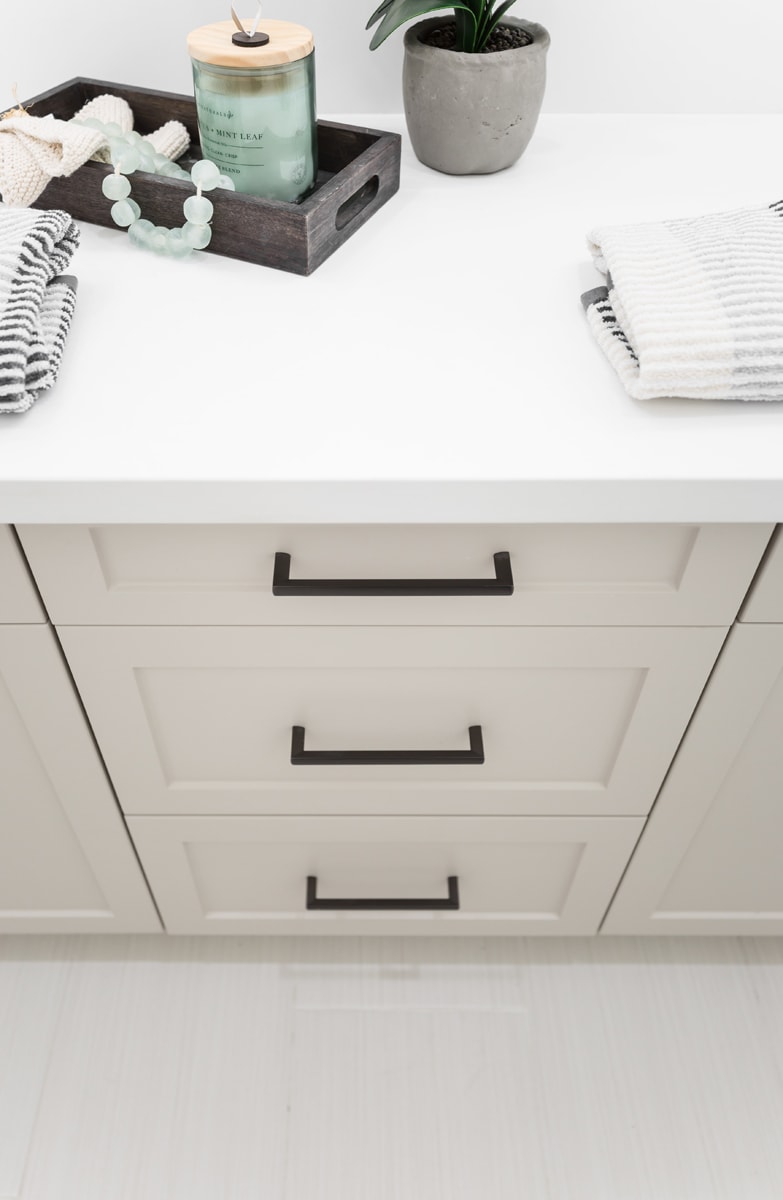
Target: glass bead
{"x":92,"y":123}
{"x":140,"y":231}
{"x":135,"y":207}
{"x":158,"y":239}
{"x":116,"y":187}
{"x":146,"y":157}
{"x":197,"y":236}
{"x":227,"y":182}
{"x":198,"y":210}
{"x":205,"y":175}
{"x":178,"y":247}
{"x":127,"y":160}
{"x":112,"y":130}
{"x":122,"y":213}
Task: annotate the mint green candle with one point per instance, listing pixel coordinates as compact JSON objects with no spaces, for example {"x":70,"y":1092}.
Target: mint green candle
{"x":255,"y":103}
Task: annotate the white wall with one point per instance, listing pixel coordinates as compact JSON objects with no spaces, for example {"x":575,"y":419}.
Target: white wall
{"x":606,"y":56}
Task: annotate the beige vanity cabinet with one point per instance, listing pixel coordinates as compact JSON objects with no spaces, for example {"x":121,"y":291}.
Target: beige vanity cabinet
{"x":66,"y":860}
{"x":711,"y":856}
{"x":368,"y":729}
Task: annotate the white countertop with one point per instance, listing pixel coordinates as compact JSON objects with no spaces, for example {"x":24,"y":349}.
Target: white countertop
{"x":437,"y":368}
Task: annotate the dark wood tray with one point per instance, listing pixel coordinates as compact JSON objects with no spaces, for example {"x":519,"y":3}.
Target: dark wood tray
{"x":358,"y":171}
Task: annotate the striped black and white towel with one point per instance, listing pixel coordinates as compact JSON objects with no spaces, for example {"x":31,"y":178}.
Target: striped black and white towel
{"x":36,"y":301}
{"x":693,"y":308}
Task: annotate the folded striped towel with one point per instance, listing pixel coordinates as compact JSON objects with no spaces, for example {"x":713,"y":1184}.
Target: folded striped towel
{"x":36,"y":301}
{"x":693,"y":308}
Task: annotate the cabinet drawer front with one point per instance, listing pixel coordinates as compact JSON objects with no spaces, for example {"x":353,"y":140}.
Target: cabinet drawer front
{"x":19,"y":603}
{"x":513,"y":875}
{"x":563,"y":574}
{"x":765,"y":601}
{"x":572,"y":720}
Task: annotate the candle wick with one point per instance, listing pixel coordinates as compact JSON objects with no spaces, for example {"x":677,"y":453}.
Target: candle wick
{"x":255,"y":23}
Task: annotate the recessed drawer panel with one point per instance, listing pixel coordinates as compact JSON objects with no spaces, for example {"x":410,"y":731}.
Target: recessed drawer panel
{"x":19,"y":603}
{"x":562,"y":574}
{"x":764,"y":605}
{"x":373,"y":875}
{"x":206,"y":720}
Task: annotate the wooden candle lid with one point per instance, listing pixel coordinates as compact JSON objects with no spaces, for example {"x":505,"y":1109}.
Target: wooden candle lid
{"x":287,"y":43}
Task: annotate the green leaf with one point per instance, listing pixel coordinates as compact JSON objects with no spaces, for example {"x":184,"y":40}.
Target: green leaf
{"x":380,"y":10}
{"x":491,"y":22}
{"x":467,"y":30}
{"x":397,"y":12}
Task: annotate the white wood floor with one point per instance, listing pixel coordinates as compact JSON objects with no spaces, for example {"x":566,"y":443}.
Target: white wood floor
{"x":298,"y":1069}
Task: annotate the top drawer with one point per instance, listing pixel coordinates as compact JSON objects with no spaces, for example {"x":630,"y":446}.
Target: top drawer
{"x":19,"y":604}
{"x":764,"y":605}
{"x":563,"y":574}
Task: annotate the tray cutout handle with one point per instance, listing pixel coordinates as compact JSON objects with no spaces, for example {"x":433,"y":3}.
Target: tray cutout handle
{"x":449,"y":902}
{"x":351,"y":208}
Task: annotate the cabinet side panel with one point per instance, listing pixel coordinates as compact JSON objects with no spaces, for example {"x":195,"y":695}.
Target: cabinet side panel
{"x":19,"y":600}
{"x":709,"y":860}
{"x":67,"y":862}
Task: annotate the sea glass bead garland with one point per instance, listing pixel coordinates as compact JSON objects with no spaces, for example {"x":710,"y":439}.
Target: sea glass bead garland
{"x":130,"y":152}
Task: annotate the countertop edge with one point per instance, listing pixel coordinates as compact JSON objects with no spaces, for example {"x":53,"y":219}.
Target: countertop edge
{"x":392,"y":502}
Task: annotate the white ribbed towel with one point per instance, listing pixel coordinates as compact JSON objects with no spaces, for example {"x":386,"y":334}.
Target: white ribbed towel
{"x":36,"y":301}
{"x":693,"y":308}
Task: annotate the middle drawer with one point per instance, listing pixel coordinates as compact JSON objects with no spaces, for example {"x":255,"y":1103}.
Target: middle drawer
{"x":572,"y":721}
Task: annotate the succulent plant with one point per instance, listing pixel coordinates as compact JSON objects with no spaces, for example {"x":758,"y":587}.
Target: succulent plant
{"x":475,"y":19}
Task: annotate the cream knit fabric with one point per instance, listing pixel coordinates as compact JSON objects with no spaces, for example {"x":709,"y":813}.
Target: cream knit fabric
{"x":172,"y":139}
{"x":693,"y":308}
{"x":34,"y":150}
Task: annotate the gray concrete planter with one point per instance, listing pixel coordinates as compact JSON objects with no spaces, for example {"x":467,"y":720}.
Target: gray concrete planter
{"x":472,"y":114}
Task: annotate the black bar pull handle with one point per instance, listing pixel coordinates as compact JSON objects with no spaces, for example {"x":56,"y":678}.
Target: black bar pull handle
{"x":394,"y":758}
{"x":450,"y":902}
{"x":501,"y":585}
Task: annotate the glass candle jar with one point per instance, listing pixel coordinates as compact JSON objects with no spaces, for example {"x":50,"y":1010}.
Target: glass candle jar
{"x":255,"y":102}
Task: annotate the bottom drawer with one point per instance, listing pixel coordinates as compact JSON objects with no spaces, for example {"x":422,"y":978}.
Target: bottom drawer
{"x":512,"y":875}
